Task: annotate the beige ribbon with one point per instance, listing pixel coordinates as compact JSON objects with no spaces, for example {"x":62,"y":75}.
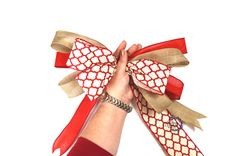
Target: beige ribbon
{"x":71,"y":86}
{"x":63,"y":42}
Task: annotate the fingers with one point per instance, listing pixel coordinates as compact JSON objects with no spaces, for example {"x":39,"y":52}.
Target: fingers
{"x":121,"y":47}
{"x":131,"y":50}
{"x":139,"y":46}
{"x":134,"y":48}
{"x":121,"y":66}
{"x":123,"y":55}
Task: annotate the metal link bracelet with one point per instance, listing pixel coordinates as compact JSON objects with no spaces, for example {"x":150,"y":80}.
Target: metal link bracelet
{"x":108,"y":98}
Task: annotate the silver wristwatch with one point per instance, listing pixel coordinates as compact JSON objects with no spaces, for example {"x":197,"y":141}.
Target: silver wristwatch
{"x":108,"y":98}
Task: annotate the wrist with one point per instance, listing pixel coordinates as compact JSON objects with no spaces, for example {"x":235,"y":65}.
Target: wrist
{"x":121,"y":97}
{"x":106,"y":97}
{"x":111,"y":109}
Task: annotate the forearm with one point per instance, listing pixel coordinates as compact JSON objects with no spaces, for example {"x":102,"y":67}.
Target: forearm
{"x":105,"y":127}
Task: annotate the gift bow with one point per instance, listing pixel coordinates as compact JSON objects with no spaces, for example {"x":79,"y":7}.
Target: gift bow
{"x":96,"y":66}
{"x":94,"y":62}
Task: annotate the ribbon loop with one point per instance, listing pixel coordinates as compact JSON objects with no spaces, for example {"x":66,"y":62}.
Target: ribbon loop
{"x":84,"y":55}
{"x":169,"y":56}
{"x":70,"y":86}
{"x":64,"y":41}
{"x":150,"y":75}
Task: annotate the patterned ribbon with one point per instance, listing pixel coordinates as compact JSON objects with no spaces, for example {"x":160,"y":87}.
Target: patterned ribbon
{"x":155,"y":91}
{"x":97,"y":65}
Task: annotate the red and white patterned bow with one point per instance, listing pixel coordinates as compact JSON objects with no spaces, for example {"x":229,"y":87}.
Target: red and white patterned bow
{"x":96,"y":66}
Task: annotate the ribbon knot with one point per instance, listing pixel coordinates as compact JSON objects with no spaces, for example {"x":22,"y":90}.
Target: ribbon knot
{"x":96,"y":66}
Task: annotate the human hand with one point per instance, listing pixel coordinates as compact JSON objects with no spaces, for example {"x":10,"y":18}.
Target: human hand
{"x":119,"y":87}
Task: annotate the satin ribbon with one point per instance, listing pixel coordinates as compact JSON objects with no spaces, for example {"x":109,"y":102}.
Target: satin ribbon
{"x":152,"y":99}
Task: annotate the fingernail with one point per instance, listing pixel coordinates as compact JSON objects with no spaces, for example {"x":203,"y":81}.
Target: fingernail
{"x":123,"y":52}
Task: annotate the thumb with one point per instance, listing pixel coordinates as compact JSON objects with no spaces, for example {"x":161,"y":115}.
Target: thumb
{"x":121,"y":66}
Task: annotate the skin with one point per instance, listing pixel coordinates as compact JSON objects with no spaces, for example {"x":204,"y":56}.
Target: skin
{"x":105,"y":127}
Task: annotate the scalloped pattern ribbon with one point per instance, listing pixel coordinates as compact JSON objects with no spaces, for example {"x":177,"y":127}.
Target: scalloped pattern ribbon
{"x":155,"y":91}
{"x":97,"y":65}
{"x":166,"y":130}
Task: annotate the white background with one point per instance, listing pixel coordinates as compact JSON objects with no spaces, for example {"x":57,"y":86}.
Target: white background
{"x":34,"y":110}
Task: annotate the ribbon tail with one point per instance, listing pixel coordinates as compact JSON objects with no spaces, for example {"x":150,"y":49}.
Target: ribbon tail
{"x":70,"y":133}
{"x":173,"y":139}
{"x":187,"y":115}
{"x":162,"y":102}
